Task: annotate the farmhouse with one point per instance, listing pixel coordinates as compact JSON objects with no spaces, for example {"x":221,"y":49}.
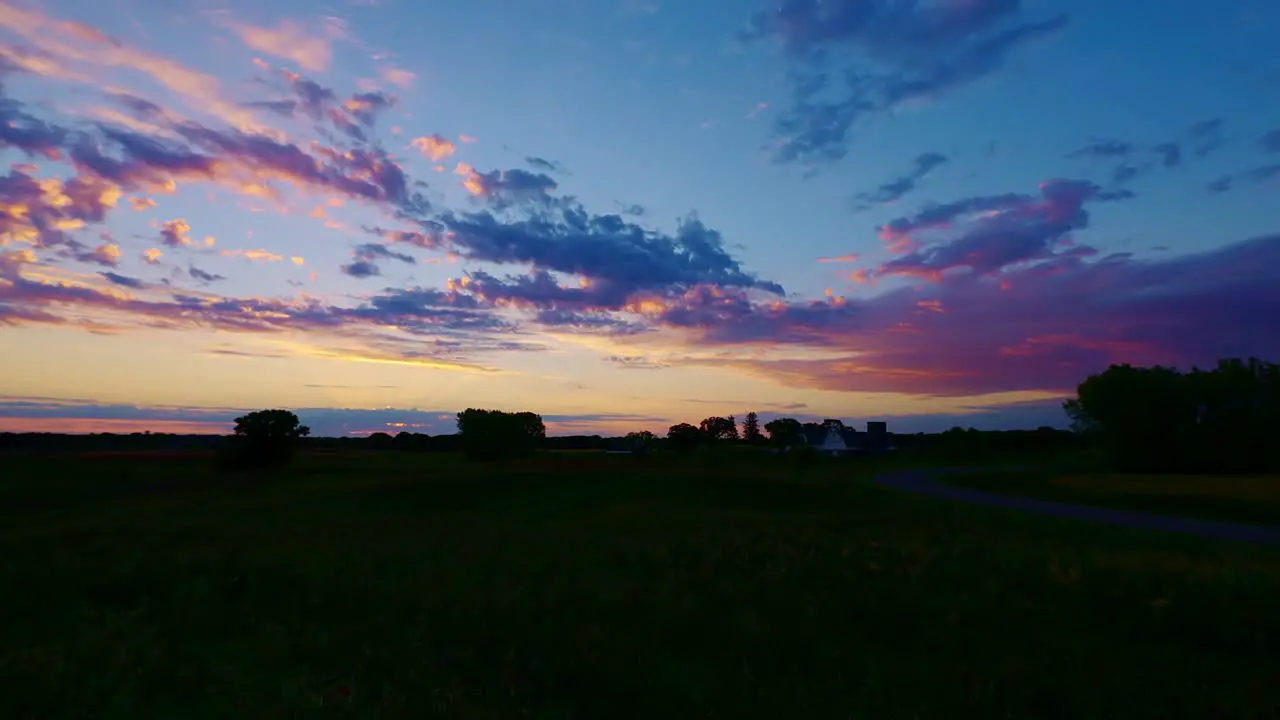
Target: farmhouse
{"x":833,"y":437}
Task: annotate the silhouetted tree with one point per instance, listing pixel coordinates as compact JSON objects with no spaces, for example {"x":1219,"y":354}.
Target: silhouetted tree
{"x":379,"y":441}
{"x":684,"y":436}
{"x":262,"y":439}
{"x":719,"y":428}
{"x":273,"y":425}
{"x":497,"y":435}
{"x":642,"y":442}
{"x":751,"y":429}
{"x":1158,"y":419}
{"x":785,"y":432}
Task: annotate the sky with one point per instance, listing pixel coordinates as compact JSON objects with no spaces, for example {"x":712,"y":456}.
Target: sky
{"x":624,"y":214}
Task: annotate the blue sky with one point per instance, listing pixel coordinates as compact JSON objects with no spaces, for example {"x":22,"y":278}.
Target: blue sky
{"x":627,"y":214}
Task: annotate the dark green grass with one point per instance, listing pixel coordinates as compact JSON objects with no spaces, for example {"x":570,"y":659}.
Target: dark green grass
{"x":426,"y":587}
{"x":1249,"y":500}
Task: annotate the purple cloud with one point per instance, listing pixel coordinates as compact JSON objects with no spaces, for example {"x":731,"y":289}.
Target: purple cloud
{"x":202,"y":276}
{"x":1040,"y":326}
{"x":129,"y":282}
{"x":996,"y":231}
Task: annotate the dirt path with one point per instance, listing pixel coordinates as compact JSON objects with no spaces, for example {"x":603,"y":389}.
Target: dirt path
{"x":921,"y":481}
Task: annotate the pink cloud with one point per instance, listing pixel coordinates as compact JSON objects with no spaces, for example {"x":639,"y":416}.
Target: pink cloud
{"x":287,"y":40}
{"x":68,"y":42}
{"x":397,"y":76}
{"x":1040,"y":327}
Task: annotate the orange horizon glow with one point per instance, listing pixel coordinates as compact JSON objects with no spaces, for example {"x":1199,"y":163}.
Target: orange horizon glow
{"x":119,"y":426}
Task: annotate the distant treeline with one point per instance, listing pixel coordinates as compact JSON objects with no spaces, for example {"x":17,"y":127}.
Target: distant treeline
{"x":954,"y":442}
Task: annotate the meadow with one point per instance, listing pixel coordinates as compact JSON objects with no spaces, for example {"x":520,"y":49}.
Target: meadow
{"x":388,"y":584}
{"x":1250,"y":499}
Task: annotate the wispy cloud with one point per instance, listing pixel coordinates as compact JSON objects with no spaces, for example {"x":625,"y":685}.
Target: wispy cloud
{"x":902,"y":52}
{"x":287,"y":40}
{"x":897,"y":188}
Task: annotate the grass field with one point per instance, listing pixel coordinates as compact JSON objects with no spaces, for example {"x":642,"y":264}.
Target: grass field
{"x":1253,"y":499}
{"x":397,"y":585}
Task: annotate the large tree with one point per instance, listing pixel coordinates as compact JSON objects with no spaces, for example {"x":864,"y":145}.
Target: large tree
{"x":719,"y":428}
{"x":1162,"y":420}
{"x":275,"y":425}
{"x":684,"y":436}
{"x":498,"y":435}
{"x":263,"y":438}
{"x":785,"y":432}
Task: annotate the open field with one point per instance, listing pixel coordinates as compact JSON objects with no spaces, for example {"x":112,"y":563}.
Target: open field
{"x":1253,"y":499}
{"x":406,"y":585}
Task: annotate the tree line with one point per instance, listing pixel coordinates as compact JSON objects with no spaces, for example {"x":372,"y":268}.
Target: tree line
{"x":1159,"y":419}
{"x":1152,"y":419}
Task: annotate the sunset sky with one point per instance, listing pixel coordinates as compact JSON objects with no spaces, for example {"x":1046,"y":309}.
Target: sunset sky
{"x":623,"y":214}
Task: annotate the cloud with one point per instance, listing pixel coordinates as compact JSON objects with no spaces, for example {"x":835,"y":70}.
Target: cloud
{"x":42,"y":211}
{"x":1170,"y":154}
{"x":366,"y":106}
{"x":107,"y":254}
{"x":503,"y":188}
{"x":985,"y":234}
{"x":241,"y":161}
{"x":415,"y":326}
{"x":427,"y":240}
{"x":1105,"y":148}
{"x":636,"y":362}
{"x":1206,"y":136}
{"x":1270,"y":141}
{"x":886,"y":53}
{"x":360,"y":269}
{"x":1033,"y":327}
{"x":254,"y":255}
{"x":638,"y":7}
{"x":544,"y":165}
{"x":70,"y":42}
{"x":376,"y":251}
{"x":123,"y":280}
{"x":365,"y":260}
{"x":895,"y":189}
{"x":287,"y":40}
{"x":202,"y":276}
{"x":617,"y":257}
{"x":1254,"y":176}
{"x":174,"y":233}
{"x":397,"y":76}
{"x":152,"y":256}
{"x":23,"y":131}
{"x":516,"y":219}
{"x":1203,"y":138}
{"x":434,"y":147}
